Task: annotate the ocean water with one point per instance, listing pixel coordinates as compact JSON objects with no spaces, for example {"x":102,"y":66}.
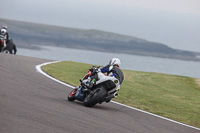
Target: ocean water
{"x":128,"y":62}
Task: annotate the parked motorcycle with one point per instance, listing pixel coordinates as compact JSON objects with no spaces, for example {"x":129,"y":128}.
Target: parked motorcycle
{"x":103,"y":90}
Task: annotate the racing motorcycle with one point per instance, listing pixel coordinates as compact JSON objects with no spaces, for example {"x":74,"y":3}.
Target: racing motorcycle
{"x":10,"y":47}
{"x":103,"y":90}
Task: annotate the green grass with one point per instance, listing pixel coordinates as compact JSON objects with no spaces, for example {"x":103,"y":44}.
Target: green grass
{"x":171,"y":96}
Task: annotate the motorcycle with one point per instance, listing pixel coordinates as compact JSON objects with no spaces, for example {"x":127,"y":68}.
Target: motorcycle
{"x":103,"y":90}
{"x":10,"y":47}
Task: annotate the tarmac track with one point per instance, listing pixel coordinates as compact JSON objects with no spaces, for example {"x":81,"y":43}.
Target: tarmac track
{"x":33,"y":103}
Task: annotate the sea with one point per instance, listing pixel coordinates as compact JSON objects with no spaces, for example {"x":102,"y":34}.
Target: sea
{"x":128,"y":61}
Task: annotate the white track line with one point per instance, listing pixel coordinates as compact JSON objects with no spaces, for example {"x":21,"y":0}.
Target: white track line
{"x":38,"y":68}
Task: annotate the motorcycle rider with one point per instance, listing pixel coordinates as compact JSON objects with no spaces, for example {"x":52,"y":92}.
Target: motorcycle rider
{"x":113,"y":69}
{"x":4,"y":33}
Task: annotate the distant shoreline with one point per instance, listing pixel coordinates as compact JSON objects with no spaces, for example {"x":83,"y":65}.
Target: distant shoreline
{"x":33,"y":35}
{"x":39,"y":47}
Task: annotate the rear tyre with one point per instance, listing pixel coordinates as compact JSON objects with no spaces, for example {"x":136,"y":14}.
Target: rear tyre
{"x":96,"y":96}
{"x":71,"y":96}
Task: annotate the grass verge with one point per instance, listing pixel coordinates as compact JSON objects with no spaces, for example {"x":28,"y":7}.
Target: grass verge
{"x":171,"y":96}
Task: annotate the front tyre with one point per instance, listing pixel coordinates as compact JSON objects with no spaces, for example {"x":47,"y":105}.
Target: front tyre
{"x":71,"y":96}
{"x":96,"y":96}
{"x":6,"y":52}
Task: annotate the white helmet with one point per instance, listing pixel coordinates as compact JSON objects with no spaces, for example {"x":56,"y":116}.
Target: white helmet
{"x":4,"y":27}
{"x":3,"y":31}
{"x":115,"y":61}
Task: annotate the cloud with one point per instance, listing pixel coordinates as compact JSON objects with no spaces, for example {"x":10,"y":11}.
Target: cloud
{"x":165,"y":21}
{"x":181,"y":6}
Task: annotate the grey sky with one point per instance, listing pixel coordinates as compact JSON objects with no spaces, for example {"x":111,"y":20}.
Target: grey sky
{"x":172,"y":22}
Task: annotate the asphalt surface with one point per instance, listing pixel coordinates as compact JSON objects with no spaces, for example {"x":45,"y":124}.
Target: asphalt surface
{"x":33,"y":103}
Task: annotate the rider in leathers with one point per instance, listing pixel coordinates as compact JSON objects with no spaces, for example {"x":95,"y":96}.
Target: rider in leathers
{"x":4,"y":33}
{"x":112,"y":69}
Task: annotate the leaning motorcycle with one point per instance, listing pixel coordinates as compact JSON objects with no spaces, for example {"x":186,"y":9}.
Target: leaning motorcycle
{"x":104,"y":89}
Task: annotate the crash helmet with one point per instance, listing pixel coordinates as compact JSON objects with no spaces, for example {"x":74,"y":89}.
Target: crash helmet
{"x":3,"y":31}
{"x":4,"y":27}
{"x":115,"y":61}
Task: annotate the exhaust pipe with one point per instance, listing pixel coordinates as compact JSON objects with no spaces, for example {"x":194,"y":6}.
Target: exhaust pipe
{"x":111,"y":96}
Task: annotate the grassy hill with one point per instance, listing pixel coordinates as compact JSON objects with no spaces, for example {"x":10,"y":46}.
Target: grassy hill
{"x":32,"y":35}
{"x":174,"y":97}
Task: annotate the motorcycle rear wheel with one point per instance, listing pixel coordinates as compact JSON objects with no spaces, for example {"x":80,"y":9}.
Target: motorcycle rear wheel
{"x":96,"y":96}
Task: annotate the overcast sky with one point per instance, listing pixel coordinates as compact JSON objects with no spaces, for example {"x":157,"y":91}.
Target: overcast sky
{"x":175,"y":23}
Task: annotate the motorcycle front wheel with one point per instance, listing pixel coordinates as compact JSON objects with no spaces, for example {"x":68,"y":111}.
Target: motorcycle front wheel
{"x":95,"y":96}
{"x":6,"y":52}
{"x":71,"y":96}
